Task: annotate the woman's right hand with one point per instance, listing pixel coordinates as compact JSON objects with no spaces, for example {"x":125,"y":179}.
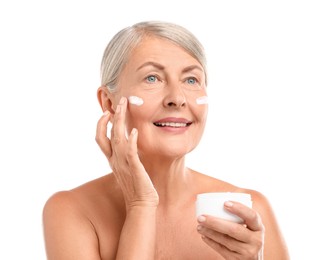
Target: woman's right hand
{"x":135,"y":183}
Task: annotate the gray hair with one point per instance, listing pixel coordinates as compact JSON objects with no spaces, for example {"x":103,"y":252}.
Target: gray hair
{"x":119,"y":48}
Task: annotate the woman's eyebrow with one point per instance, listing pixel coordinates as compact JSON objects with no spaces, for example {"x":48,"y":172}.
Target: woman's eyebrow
{"x":151,"y":63}
{"x":192,"y":67}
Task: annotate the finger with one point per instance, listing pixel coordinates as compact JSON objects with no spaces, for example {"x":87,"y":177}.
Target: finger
{"x":101,"y":134}
{"x":134,"y":162}
{"x":233,"y":236}
{"x":224,"y":251}
{"x":251,"y":218}
{"x":118,"y":130}
{"x":232,"y":229}
{"x":142,"y":182}
{"x":221,"y":239}
{"x":132,"y":155}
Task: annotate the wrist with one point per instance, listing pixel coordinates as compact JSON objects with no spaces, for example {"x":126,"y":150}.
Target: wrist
{"x":143,"y":203}
{"x":142,"y":208}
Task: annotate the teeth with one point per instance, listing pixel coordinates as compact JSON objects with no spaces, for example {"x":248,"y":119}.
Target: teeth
{"x":171,"y":124}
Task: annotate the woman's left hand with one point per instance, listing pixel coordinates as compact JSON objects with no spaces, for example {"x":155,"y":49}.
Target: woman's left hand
{"x":233,"y":240}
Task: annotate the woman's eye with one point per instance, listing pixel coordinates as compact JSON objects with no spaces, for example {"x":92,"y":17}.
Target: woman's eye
{"x":192,"y":81}
{"x":151,"y":79}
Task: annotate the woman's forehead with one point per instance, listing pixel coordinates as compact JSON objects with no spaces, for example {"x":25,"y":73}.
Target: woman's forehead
{"x":156,"y":50}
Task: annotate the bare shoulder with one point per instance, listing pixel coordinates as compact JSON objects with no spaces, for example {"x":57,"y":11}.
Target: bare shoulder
{"x":206,"y":183}
{"x":79,"y":198}
{"x":275,"y":246}
{"x":260,"y":203}
{"x":58,"y":202}
{"x":63,"y":222}
{"x":73,"y":219}
{"x":74,"y":205}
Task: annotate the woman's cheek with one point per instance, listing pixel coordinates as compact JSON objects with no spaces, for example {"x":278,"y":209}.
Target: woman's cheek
{"x":136,"y":111}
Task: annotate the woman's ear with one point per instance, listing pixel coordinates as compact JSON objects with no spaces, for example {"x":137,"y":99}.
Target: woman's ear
{"x":105,"y":99}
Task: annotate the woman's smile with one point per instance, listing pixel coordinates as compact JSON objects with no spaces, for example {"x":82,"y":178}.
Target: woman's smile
{"x":173,"y":124}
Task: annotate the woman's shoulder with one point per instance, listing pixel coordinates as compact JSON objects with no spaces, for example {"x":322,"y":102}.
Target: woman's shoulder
{"x":80,"y":217}
{"x":209,"y":183}
{"x":83,"y":199}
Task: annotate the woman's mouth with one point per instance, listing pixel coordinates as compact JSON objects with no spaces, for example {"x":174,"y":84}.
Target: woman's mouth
{"x":173,"y":122}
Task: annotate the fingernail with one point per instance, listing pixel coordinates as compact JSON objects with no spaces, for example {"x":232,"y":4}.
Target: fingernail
{"x":106,"y":113}
{"x":228,"y":204}
{"x":199,"y":227}
{"x":201,"y":218}
{"x":122,"y":100}
{"x":134,"y":131}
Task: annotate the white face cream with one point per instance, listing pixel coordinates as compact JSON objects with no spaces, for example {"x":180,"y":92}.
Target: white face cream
{"x":137,"y":101}
{"x":202,"y":100}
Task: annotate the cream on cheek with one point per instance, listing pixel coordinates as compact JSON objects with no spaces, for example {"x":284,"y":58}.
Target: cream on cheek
{"x":134,"y":100}
{"x":202,"y":100}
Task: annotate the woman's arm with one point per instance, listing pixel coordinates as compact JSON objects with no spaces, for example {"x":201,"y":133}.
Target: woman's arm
{"x":137,"y":239}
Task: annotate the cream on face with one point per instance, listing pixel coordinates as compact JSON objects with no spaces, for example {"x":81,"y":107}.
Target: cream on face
{"x":137,"y":101}
{"x":202,"y":100}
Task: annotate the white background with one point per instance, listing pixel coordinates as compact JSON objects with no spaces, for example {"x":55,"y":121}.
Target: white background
{"x":265,"y":128}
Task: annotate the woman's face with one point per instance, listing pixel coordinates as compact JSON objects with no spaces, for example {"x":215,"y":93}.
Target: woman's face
{"x":171,"y":84}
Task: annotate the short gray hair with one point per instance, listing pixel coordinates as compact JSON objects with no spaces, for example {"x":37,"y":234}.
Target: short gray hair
{"x":119,"y":48}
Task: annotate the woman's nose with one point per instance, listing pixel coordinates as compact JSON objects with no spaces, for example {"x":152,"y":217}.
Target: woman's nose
{"x":174,"y":96}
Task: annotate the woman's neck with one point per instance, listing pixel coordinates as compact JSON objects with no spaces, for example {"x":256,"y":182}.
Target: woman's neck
{"x":170,"y":177}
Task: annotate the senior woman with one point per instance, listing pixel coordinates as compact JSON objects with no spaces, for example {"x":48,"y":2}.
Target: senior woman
{"x":154,"y":94}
